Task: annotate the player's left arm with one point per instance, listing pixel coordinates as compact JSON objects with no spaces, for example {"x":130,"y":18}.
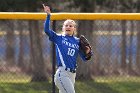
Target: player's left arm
{"x":82,"y":55}
{"x":87,"y":56}
{"x":85,"y":49}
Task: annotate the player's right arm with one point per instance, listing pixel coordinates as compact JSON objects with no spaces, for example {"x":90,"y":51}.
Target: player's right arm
{"x":47,"y":22}
{"x":47,"y":29}
{"x":52,"y":35}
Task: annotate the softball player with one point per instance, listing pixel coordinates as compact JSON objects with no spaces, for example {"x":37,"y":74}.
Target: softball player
{"x":67,"y":50}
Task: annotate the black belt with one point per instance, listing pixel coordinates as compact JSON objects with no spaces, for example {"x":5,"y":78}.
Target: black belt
{"x":70,"y":70}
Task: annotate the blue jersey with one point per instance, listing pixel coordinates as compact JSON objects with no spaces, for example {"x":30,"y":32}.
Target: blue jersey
{"x":67,"y":47}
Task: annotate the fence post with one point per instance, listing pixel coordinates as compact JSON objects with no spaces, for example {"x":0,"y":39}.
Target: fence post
{"x":53,"y":59}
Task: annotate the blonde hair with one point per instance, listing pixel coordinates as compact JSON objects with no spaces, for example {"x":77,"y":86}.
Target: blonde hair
{"x":70,"y":20}
{"x":74,"y":23}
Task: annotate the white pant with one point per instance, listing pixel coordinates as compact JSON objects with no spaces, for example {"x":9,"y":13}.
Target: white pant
{"x":65,"y":80}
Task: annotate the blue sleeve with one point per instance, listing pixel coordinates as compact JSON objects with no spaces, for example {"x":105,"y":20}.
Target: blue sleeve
{"x":82,"y":56}
{"x":52,"y":35}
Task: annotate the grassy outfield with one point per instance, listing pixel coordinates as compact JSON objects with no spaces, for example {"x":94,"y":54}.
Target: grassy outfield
{"x":109,"y":85}
{"x":21,"y":84}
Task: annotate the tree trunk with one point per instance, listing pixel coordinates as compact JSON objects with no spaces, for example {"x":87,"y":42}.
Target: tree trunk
{"x":96,"y":63}
{"x":38,"y":66}
{"x":138,"y":42}
{"x":85,"y":28}
{"x":131,"y":48}
{"x":138,"y":49}
{"x":109,"y":49}
{"x":37,"y":62}
{"x":84,"y":68}
{"x":21,"y":46}
{"x":10,"y":53}
{"x":123,"y":59}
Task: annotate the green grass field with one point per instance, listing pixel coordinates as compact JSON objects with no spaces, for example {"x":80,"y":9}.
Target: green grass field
{"x":21,"y":84}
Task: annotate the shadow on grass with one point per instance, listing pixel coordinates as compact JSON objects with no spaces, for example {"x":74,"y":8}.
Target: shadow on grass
{"x":94,"y":87}
{"x":80,"y":87}
{"x":34,"y":87}
{"x":108,"y":87}
{"x":102,"y":87}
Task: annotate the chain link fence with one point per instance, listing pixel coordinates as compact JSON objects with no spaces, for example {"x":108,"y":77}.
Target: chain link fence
{"x":117,"y":47}
{"x":26,"y":52}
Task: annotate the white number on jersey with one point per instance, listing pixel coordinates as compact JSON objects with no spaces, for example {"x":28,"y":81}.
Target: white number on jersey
{"x":71,"y":52}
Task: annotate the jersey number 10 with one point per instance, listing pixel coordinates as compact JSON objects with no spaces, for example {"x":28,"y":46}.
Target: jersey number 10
{"x":71,"y":52}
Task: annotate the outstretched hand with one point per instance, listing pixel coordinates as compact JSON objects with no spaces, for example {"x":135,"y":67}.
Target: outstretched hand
{"x":88,"y":49}
{"x":46,"y":9}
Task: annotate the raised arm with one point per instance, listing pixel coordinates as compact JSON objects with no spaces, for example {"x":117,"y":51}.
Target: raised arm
{"x":52,"y":35}
{"x":47,"y":22}
{"x":47,"y":25}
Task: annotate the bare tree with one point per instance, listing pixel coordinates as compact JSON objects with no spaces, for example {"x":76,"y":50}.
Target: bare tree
{"x":38,"y":66}
{"x":138,"y":49}
{"x":138,"y":43}
{"x":21,"y":62}
{"x":37,"y":61}
{"x":84,"y":71}
{"x":131,"y":48}
{"x":85,"y":27}
{"x":124,"y":8}
{"x":123,"y":49}
{"x":10,"y":41}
